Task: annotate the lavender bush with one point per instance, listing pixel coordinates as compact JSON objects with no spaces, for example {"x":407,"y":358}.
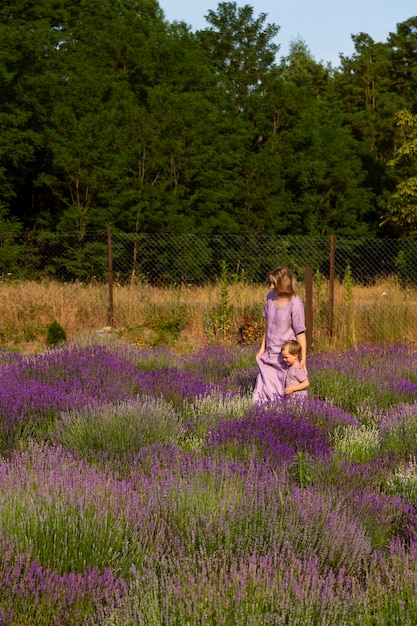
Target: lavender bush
{"x":142,"y":487}
{"x":120,"y":428}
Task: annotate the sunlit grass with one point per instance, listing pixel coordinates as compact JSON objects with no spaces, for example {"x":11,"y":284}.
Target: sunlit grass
{"x":146,"y":316}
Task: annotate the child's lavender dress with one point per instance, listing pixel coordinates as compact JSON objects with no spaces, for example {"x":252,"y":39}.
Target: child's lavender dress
{"x":296,"y":375}
{"x":283,"y":323}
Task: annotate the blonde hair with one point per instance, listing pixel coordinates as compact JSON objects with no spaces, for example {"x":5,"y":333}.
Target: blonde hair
{"x":283,"y":280}
{"x":292,"y":346}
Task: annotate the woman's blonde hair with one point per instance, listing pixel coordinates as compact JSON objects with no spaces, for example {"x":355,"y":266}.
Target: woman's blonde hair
{"x":283,"y":280}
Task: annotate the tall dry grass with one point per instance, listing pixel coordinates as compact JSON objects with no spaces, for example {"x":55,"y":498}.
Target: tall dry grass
{"x":384,"y":311}
{"x":28,"y":307}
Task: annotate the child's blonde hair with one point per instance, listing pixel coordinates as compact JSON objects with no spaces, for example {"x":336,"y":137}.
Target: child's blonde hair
{"x":283,"y":280}
{"x":292,"y":346}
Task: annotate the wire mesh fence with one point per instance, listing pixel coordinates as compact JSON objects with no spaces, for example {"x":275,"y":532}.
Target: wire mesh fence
{"x":196,"y":259}
{"x":375,"y":280}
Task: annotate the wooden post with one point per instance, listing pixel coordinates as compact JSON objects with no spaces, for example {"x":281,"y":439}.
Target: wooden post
{"x":331,"y":284}
{"x":309,"y":307}
{"x":110,"y":313}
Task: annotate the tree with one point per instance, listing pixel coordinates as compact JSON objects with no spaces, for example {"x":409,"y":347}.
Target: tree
{"x":241,"y":49}
{"x":11,"y":244}
{"x":401,"y":209}
{"x":320,"y":187}
{"x":190,"y":150}
{"x":403,"y":50}
{"x":89,"y":140}
{"x":367,"y":95}
{"x":30,"y":34}
{"x":76,"y":78}
{"x":112,"y":116}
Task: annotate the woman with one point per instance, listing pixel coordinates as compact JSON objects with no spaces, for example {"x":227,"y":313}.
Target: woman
{"x":285,"y":320}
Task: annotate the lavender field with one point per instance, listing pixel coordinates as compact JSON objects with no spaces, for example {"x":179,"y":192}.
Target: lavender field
{"x":142,"y":488}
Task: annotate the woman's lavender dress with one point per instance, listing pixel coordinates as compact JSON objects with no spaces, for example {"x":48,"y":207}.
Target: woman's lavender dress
{"x":283,"y":323}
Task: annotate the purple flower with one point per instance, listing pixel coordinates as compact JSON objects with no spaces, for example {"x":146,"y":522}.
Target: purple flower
{"x":277,"y":432}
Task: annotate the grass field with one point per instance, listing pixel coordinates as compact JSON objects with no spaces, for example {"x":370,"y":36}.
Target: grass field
{"x":187,"y":318}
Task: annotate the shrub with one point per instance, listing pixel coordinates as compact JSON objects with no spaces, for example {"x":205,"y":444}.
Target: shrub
{"x":55,"y":334}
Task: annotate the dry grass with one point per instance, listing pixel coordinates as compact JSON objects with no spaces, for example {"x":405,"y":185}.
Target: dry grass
{"x":383,"y":312}
{"x":143,"y":313}
{"x":28,"y":308}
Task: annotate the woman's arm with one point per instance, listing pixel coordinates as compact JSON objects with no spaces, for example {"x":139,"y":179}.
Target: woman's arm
{"x":263,"y":346}
{"x":302,"y":340}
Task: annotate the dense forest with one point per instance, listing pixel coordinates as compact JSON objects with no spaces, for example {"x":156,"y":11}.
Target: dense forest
{"x":111,"y":115}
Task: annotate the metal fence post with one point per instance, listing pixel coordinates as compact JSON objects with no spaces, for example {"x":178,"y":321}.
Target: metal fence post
{"x":309,"y":306}
{"x":110,"y":312}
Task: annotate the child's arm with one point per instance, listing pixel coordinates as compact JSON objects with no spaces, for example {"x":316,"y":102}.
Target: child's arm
{"x":298,"y":387}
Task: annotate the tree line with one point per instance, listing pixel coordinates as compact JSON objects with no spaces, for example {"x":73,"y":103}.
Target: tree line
{"x":111,"y":115}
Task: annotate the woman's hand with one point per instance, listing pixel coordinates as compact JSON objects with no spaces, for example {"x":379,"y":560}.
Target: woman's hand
{"x":262,"y":347}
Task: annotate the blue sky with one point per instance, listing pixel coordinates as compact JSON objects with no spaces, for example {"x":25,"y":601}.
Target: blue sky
{"x":325,"y":26}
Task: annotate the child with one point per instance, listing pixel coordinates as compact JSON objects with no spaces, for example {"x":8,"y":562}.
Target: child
{"x":296,"y":380}
{"x":284,"y":313}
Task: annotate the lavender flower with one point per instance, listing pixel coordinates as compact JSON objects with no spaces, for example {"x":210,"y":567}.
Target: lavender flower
{"x":277,"y":432}
{"x":142,"y":487}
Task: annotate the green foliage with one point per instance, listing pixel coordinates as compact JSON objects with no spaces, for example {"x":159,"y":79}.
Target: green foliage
{"x":350,"y":312}
{"x":404,"y":481}
{"x":400,"y":438}
{"x":72,"y":258}
{"x":241,"y":48}
{"x":25,"y":432}
{"x":65,"y":537}
{"x":221,"y":314}
{"x":11,"y":246}
{"x":206,"y":413}
{"x":168,"y":322}
{"x":300,"y":471}
{"x":357,"y":444}
{"x":121,"y":429}
{"x":402,"y":208}
{"x":354,"y":394}
{"x":110,"y":115}
{"x":205,"y":503}
{"x":55,"y":334}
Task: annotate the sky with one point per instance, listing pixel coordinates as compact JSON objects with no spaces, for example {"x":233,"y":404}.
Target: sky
{"x":325,"y":26}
